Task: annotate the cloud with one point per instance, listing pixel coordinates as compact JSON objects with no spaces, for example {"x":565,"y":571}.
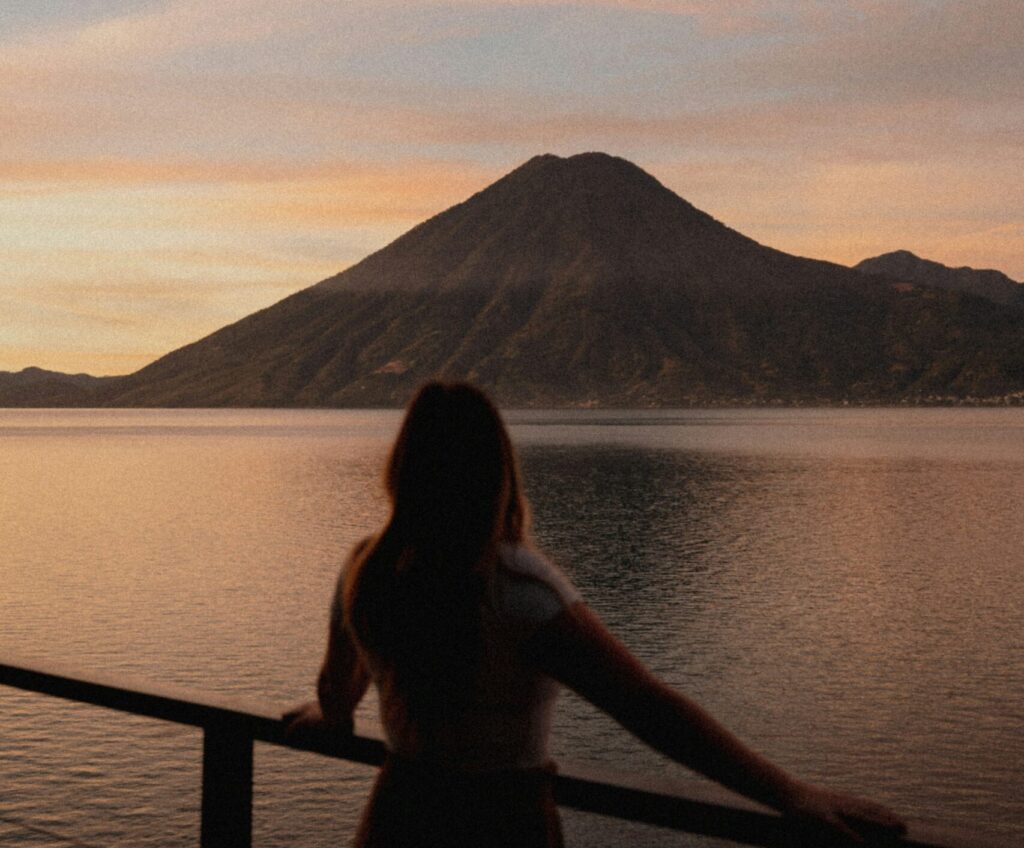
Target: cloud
{"x":173,"y":28}
{"x":896,"y":52}
{"x":863,"y":73}
{"x":224,"y":195}
{"x":712,"y":17}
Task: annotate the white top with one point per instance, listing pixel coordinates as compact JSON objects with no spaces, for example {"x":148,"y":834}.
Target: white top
{"x":508,"y":719}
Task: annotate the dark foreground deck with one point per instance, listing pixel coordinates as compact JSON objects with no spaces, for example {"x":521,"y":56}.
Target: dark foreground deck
{"x":230,"y":727}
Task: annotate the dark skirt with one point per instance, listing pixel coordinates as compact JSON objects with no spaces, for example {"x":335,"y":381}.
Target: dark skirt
{"x":425,"y":806}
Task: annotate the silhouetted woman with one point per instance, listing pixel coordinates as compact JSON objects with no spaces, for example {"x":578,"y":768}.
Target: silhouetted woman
{"x":467,"y":631}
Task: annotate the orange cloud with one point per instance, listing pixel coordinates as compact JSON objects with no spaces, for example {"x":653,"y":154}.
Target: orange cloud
{"x":846,"y":208}
{"x":59,"y":174}
{"x":392,"y":196}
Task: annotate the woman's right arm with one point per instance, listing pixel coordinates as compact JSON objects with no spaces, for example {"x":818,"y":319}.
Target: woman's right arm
{"x":340,"y":686}
{"x":577,"y":649}
{"x":343,"y":678}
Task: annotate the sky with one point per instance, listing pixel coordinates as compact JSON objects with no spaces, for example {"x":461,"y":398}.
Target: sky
{"x":170,"y":166}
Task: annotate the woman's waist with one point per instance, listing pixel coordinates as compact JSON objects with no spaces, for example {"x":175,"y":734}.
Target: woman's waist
{"x":481,"y":746}
{"x":478,"y":738}
{"x":454,"y":774}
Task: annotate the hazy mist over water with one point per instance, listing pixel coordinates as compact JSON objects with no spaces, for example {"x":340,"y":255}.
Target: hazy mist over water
{"x":841,"y":587}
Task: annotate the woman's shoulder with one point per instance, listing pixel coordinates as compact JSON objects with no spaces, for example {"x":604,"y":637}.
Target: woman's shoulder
{"x":349,"y":569}
{"x":532,"y":588}
{"x":525,"y":562}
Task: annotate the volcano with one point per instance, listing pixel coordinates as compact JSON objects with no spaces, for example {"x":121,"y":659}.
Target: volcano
{"x":583,"y":281}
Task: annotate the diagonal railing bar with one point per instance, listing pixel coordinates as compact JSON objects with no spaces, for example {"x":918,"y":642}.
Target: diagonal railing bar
{"x":230,"y":726}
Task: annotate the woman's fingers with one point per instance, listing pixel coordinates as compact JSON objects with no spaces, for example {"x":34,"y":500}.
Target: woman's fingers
{"x":862,"y":810}
{"x":852,"y":817}
{"x":301,"y":719}
{"x":837,"y":824}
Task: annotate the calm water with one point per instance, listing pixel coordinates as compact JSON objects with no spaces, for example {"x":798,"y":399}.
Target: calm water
{"x":843,"y":588}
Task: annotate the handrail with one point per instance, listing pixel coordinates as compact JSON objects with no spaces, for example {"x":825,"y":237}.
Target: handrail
{"x":232,"y":725}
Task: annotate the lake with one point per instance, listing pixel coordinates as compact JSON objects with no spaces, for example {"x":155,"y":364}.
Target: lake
{"x":841,"y":587}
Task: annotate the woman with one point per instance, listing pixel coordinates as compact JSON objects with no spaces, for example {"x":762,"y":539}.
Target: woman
{"x":466,"y":630}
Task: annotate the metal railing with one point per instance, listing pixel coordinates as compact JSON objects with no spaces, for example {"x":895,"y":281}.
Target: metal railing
{"x":230,"y":727}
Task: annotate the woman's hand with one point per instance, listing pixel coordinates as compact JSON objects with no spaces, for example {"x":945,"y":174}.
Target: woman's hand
{"x":306,"y":724}
{"x":302,"y":719}
{"x":853,"y":817}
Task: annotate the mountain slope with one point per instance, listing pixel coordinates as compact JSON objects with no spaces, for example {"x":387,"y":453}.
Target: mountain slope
{"x":584,"y":281}
{"x":904,"y":265}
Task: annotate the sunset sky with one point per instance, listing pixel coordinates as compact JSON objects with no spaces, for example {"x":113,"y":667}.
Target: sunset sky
{"x":170,"y":166}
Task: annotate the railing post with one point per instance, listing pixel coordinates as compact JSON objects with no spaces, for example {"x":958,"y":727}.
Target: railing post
{"x":227,"y":787}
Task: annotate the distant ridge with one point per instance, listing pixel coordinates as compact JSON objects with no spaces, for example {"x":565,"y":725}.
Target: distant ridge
{"x":582,"y":281}
{"x":904,"y":265}
{"x":38,"y":387}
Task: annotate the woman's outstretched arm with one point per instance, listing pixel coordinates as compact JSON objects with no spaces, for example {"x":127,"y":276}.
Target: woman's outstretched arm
{"x":578,"y":650}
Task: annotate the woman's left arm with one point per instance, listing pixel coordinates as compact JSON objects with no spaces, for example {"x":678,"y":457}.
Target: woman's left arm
{"x":577,"y":649}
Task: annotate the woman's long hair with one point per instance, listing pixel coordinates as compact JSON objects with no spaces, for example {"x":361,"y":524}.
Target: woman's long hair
{"x":413,"y":600}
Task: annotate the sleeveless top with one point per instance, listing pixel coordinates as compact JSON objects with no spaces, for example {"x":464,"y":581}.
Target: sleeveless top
{"x":507,"y":719}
